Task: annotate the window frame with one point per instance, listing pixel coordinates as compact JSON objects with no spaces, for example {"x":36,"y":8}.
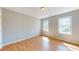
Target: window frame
{"x":43,"y":25}
{"x":61,"y":32}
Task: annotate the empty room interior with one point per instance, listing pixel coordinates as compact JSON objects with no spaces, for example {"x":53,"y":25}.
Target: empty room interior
{"x":39,"y":29}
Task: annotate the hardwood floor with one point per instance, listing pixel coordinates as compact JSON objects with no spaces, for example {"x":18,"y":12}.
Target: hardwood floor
{"x":40,"y":43}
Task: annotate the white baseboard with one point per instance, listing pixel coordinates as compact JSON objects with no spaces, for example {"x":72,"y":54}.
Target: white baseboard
{"x":63,"y":39}
{"x":20,"y":40}
{"x":54,"y":36}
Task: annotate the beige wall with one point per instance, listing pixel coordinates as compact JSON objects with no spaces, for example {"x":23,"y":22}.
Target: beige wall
{"x":18,"y":26}
{"x":53,"y":27}
{"x":0,"y":20}
{"x":0,"y":28}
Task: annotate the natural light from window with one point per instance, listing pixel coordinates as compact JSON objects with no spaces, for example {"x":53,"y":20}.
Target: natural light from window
{"x":45,"y":25}
{"x":65,"y":25}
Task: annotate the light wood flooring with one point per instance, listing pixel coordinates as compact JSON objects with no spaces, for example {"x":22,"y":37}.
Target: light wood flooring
{"x":40,"y":43}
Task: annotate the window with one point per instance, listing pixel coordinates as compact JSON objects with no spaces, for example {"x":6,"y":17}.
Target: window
{"x":45,"y":25}
{"x":65,"y":25}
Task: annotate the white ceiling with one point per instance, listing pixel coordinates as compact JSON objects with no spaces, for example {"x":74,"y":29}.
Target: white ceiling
{"x":38,"y":13}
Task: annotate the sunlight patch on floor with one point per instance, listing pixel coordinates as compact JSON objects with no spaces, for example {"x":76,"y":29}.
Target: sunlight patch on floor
{"x":45,"y":42}
{"x":45,"y":39}
{"x":72,"y":47}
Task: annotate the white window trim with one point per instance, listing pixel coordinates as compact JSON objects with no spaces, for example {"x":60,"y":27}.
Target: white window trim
{"x":70,"y":28}
{"x":48,"y":26}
